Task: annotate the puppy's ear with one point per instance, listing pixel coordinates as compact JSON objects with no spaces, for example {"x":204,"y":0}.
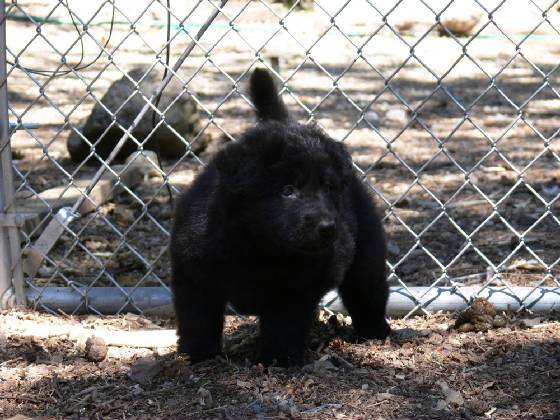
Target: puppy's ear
{"x":264,"y":95}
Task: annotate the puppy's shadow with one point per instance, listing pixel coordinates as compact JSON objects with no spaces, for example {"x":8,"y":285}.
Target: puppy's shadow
{"x":241,"y":340}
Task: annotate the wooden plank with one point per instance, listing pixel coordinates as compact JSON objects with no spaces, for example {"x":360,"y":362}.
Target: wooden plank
{"x":61,"y":198}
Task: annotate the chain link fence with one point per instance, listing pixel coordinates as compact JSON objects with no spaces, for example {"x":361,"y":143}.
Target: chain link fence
{"x":451,"y":111}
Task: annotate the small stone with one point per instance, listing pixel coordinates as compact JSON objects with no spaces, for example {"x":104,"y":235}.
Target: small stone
{"x":361,"y":371}
{"x":454,"y":397}
{"x":443,"y":385}
{"x":425,"y":332}
{"x":146,"y":162}
{"x":477,"y":406}
{"x":451,"y":396}
{"x":96,"y":349}
{"x":393,"y":248}
{"x":499,"y":321}
{"x":145,"y":370}
{"x":205,"y":396}
{"x":405,"y":335}
{"x":396,"y":115}
{"x":324,"y":367}
{"x":45,"y":271}
{"x":440,"y":405}
{"x":372,"y":116}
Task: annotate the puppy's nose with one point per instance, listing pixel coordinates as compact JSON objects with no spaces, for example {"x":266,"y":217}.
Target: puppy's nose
{"x":327,"y":228}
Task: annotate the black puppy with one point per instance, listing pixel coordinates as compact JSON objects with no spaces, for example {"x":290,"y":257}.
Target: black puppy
{"x":271,"y":224}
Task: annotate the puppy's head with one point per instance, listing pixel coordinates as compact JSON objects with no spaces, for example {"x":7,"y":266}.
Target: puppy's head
{"x":286,"y":181}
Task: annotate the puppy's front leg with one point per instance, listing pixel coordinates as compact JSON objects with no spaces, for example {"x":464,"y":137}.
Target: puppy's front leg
{"x":283,"y":332}
{"x":200,"y":318}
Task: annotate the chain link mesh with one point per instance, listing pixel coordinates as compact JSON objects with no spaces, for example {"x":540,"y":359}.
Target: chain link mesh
{"x":450,"y":110}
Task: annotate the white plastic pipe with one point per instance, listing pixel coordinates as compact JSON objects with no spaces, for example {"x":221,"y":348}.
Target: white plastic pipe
{"x":109,"y":300}
{"x":448,"y":299}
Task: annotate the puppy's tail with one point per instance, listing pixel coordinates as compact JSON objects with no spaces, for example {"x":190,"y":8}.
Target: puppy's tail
{"x":265,"y":97}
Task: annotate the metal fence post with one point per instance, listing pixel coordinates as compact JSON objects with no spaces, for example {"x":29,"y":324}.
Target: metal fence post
{"x":10,"y":260}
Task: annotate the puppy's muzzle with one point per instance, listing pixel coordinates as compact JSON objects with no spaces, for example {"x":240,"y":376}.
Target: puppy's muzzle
{"x":326,"y":229}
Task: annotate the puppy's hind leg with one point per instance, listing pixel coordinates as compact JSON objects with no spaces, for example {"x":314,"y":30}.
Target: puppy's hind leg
{"x":364,"y":291}
{"x":365,"y":298}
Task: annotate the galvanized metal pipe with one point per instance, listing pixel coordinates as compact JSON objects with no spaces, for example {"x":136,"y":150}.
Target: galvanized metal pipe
{"x":109,"y":300}
{"x":106,"y":300}
{"x":10,"y":261}
{"x":5,"y":257}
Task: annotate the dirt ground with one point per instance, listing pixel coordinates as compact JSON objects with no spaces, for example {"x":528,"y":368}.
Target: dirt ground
{"x":426,"y":369}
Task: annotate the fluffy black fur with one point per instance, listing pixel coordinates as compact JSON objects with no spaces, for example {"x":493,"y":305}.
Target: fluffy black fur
{"x":271,"y":224}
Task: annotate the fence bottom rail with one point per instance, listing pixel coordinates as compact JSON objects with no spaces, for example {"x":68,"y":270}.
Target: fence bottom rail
{"x":402,"y":301}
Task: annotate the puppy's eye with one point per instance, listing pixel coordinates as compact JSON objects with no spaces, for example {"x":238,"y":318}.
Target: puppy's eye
{"x":329,"y":186}
{"x":288,"y":190}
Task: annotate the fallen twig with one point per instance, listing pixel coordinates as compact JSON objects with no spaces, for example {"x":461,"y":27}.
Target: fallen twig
{"x":90,"y":389}
{"x":546,"y":325}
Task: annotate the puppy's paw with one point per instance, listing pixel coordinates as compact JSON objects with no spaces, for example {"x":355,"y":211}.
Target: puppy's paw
{"x":196,"y":355}
{"x":378,"y":330}
{"x":281,"y":360}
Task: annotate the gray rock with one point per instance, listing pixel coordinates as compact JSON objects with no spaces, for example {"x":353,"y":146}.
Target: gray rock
{"x":324,"y":368}
{"x":96,"y":349}
{"x":372,"y":116}
{"x":393,"y":248}
{"x":397,"y":115}
{"x":182,"y":116}
{"x":146,"y":162}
